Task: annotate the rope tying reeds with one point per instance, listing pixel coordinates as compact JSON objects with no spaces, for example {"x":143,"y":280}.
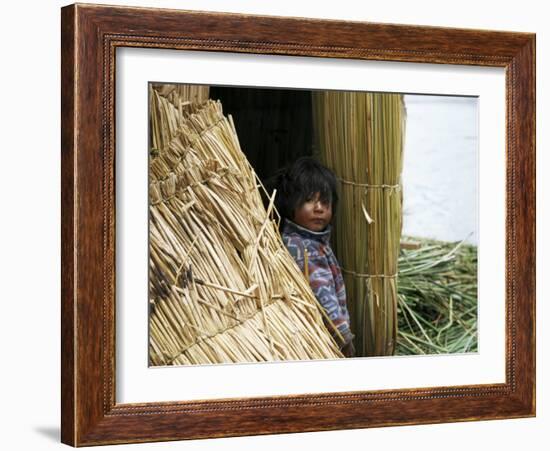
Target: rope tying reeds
{"x":368,"y":276}
{"x":393,"y":188}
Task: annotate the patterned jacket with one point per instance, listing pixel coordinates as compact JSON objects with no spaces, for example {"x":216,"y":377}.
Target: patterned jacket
{"x":325,"y":277}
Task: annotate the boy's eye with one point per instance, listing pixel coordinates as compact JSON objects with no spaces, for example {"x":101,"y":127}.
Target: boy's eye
{"x":314,"y":197}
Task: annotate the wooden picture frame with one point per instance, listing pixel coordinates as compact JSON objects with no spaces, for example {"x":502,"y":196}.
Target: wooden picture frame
{"x":90,"y":36}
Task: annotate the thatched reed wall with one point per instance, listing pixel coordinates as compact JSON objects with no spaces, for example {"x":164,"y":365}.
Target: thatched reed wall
{"x":223,"y":288}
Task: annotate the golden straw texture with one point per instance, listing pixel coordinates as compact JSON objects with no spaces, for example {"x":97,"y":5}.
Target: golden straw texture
{"x":360,"y":137}
{"x":223,"y":287}
{"x":168,"y":103}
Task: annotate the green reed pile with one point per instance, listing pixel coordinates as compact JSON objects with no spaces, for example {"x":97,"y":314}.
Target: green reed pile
{"x":437,"y":298}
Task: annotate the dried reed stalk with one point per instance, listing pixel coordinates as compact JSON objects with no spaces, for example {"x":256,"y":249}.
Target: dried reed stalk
{"x":360,"y":137}
{"x":168,"y":104}
{"x":223,"y":287}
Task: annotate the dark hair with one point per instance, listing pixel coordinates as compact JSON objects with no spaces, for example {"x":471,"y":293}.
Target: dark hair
{"x":299,"y":182}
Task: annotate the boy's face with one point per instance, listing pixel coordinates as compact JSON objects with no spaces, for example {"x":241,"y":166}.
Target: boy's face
{"x":313,"y":214}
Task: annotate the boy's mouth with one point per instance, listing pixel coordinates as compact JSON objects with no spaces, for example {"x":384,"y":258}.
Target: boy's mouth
{"x":320,"y":222}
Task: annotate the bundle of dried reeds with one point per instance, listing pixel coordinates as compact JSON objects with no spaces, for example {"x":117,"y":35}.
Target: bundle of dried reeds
{"x":360,"y":137}
{"x":168,"y":104}
{"x":177,"y":93}
{"x":223,"y":287}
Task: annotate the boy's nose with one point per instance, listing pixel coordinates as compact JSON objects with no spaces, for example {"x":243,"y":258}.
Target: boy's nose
{"x":320,"y":206}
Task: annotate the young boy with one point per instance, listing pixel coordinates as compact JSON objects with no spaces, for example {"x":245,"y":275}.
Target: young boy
{"x":307,"y":198}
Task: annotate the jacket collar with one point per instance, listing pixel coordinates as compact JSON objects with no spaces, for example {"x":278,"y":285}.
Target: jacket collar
{"x":292,"y":227}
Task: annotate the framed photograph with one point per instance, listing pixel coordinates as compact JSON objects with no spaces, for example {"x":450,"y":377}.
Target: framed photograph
{"x":279,"y":225}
